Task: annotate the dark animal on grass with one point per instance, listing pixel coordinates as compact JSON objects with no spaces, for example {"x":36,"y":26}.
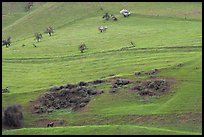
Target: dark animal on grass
{"x":38,"y":36}
{"x":49,"y":30}
{"x":34,"y":45}
{"x":82,"y":47}
{"x":6,"y":42}
{"x":51,"y":124}
{"x":106,"y":16}
{"x":13,"y":116}
{"x":113,"y":17}
{"x":23,"y":45}
{"x":102,"y":28}
{"x":132,"y":44}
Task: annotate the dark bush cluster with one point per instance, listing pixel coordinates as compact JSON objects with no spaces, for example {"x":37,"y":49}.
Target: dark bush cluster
{"x":119,"y":83}
{"x":152,"y":87}
{"x":13,"y":116}
{"x":72,"y":96}
{"x":153,"y":72}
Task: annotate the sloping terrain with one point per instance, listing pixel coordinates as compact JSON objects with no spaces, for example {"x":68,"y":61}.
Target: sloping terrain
{"x":167,"y":37}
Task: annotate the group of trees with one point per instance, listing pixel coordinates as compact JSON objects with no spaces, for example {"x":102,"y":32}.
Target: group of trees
{"x":49,"y":30}
{"x":124,"y":12}
{"x":38,"y":36}
{"x":106,"y":16}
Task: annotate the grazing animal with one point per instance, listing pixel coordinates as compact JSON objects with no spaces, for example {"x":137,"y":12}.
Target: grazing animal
{"x":7,"y":42}
{"x":106,"y":16}
{"x":49,"y":30}
{"x":51,"y":124}
{"x":132,"y":44}
{"x":125,"y":12}
{"x":38,"y":36}
{"x":34,"y":45}
{"x":102,"y":28}
{"x":23,"y":45}
{"x":113,"y":17}
{"x":82,"y":47}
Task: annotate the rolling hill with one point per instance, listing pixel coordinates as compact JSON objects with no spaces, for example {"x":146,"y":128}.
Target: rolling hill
{"x":165,"y":35}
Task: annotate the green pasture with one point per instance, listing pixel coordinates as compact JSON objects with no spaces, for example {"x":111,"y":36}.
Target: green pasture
{"x":165,"y":35}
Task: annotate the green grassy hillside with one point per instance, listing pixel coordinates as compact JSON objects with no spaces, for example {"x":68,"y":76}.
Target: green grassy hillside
{"x":165,"y":35}
{"x":101,"y":130}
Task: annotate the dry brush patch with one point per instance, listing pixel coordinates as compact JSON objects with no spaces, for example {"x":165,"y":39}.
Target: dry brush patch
{"x":73,"y":96}
{"x":76,"y":96}
{"x":12,"y":117}
{"x":154,"y":86}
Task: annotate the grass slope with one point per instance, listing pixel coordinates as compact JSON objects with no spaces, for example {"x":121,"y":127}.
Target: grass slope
{"x":99,"y":130}
{"x":161,"y":42}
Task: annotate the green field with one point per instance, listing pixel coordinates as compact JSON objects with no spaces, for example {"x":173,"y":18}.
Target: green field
{"x":165,"y":34}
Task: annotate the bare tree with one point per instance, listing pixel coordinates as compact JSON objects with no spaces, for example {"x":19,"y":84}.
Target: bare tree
{"x":113,"y":17}
{"x":28,"y":6}
{"x":125,"y":12}
{"x":82,"y":47}
{"x":102,"y":28}
{"x":49,"y":30}
{"x":106,"y":16}
{"x":7,"y":42}
{"x":38,"y":36}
